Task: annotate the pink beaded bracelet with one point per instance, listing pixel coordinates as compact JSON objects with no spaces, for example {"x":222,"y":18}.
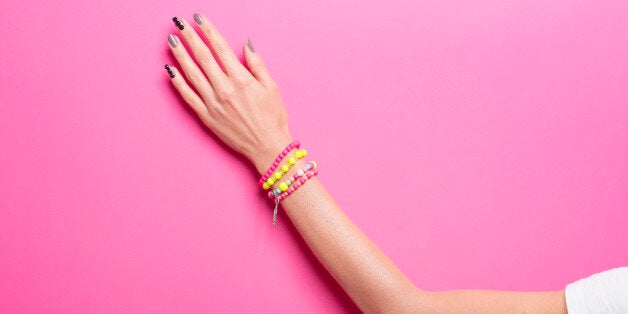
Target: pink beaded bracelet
{"x":300,"y":177}
{"x":285,"y":185}
{"x":275,"y":177}
{"x":297,"y":184}
{"x":269,"y":172}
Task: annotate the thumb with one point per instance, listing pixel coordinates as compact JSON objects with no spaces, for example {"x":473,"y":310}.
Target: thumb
{"x":256,"y":64}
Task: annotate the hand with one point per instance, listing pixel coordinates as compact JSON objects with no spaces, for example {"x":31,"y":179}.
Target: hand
{"x":242,"y":107}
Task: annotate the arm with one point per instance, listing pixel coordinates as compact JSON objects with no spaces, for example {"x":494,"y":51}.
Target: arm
{"x":372,"y":281}
{"x":244,"y":109}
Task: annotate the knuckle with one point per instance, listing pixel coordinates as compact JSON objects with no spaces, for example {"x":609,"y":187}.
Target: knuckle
{"x":226,"y":93}
{"x":241,"y":80}
{"x":189,"y":99}
{"x":259,"y":65}
{"x":273,"y":86}
{"x":203,"y":56}
{"x":195,"y":77}
{"x":219,"y":49}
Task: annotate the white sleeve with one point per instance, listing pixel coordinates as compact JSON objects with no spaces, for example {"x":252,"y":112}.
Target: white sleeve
{"x":605,"y":292}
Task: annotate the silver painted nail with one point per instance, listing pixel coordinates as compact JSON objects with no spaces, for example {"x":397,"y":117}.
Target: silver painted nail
{"x":248,"y":43}
{"x":172,"y":40}
{"x":198,"y":18}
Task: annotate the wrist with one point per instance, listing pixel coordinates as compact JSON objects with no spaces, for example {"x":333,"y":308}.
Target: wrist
{"x":264,"y":157}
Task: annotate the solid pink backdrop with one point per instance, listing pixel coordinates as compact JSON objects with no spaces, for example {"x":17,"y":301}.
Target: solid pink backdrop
{"x":479,"y":144}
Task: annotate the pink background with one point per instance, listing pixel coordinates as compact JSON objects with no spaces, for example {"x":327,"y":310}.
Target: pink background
{"x":480,"y":144}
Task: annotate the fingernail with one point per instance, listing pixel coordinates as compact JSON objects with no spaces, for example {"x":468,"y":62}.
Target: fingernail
{"x":170,"y":72}
{"x":172,"y":40}
{"x":250,"y":45}
{"x":198,"y":18}
{"x":178,"y":22}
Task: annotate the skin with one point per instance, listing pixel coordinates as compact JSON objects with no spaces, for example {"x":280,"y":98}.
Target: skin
{"x":243,"y":107}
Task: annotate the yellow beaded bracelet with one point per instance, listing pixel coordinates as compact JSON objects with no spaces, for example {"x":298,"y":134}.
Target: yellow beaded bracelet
{"x":284,"y":169}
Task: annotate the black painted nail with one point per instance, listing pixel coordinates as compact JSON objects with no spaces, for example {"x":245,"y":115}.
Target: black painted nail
{"x":250,"y":45}
{"x":170,"y":72}
{"x":172,"y":40}
{"x":198,"y":18}
{"x":178,"y":22}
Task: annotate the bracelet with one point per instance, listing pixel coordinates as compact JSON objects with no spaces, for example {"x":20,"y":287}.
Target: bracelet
{"x":275,"y":164}
{"x":298,"y":184}
{"x":275,"y":177}
{"x":285,"y":186}
{"x":300,"y":178}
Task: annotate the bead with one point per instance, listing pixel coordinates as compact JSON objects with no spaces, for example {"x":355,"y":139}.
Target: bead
{"x":314,"y":163}
{"x":271,"y":181}
{"x":308,"y":166}
{"x":271,"y":194}
{"x":292,"y":160}
{"x":265,"y":185}
{"x":277,"y":175}
{"x":177,"y":23}
{"x":285,"y":168}
{"x":304,"y":152}
{"x":295,"y":176}
{"x":280,"y":156}
{"x":285,"y":189}
{"x":300,"y":172}
{"x":298,"y":154}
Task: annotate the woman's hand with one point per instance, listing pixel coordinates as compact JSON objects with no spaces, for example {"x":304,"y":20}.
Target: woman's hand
{"x":242,"y":107}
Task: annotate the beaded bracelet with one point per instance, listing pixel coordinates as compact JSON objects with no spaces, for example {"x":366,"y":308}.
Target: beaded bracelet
{"x":300,"y":178}
{"x":285,"y":185}
{"x":298,"y":184}
{"x":275,"y":177}
{"x":295,"y":144}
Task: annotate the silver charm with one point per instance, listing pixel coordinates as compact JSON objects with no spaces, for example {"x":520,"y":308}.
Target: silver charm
{"x":276,"y":211}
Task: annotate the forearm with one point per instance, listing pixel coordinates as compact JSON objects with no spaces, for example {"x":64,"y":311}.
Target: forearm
{"x":372,"y":281}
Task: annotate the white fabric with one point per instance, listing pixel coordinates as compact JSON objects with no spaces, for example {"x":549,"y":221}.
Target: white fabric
{"x":605,"y":292}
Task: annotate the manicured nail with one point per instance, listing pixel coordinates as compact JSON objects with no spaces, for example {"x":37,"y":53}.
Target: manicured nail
{"x":178,"y":22}
{"x":250,"y":45}
{"x":170,"y":72}
{"x":198,"y":18}
{"x":172,"y":40}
